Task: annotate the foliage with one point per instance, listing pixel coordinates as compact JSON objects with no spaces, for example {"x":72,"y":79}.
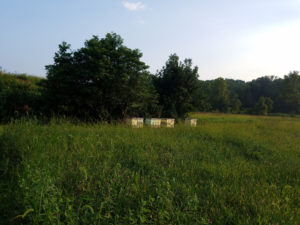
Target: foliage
{"x":235,"y":104}
{"x":231,"y":169}
{"x":220,"y":95}
{"x":261,"y":107}
{"x":176,"y":84}
{"x":103,"y":80}
{"x":201,"y":97}
{"x":290,"y":93}
{"x":281,"y":95}
{"x":241,"y":89}
{"x":20,"y":95}
{"x":107,"y":81}
{"x":269,"y":102}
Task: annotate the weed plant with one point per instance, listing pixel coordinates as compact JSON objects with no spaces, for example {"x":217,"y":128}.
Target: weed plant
{"x":230,"y":169}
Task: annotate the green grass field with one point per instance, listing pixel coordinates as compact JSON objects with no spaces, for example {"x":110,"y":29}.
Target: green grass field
{"x":230,"y":169}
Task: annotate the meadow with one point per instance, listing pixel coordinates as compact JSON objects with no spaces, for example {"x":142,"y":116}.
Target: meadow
{"x":230,"y":169}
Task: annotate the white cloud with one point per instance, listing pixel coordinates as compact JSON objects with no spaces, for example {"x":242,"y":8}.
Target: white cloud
{"x":134,"y":6}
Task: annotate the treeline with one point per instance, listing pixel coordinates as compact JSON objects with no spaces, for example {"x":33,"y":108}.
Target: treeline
{"x":268,"y":94}
{"x":105,"y":80}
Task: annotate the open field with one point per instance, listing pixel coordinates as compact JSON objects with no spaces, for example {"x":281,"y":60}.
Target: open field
{"x":230,"y":169}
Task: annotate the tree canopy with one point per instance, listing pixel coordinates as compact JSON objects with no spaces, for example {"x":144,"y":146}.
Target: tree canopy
{"x":289,"y":93}
{"x":176,"y":84}
{"x":102,"y":80}
{"x":105,"y":80}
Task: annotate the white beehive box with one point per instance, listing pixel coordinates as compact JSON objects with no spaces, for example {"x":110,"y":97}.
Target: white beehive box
{"x":136,"y":122}
{"x":153,"y":122}
{"x":167,"y":122}
{"x":191,"y":122}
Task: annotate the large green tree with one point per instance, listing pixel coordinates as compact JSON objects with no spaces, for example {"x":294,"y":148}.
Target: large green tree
{"x":102,"y":80}
{"x":176,"y":84}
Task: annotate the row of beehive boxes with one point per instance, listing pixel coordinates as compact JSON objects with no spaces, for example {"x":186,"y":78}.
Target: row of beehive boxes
{"x":158,"y":122}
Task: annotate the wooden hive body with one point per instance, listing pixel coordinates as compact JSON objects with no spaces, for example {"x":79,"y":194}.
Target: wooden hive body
{"x":168,"y":122}
{"x":153,"y":122}
{"x":135,"y":122}
{"x":191,"y":122}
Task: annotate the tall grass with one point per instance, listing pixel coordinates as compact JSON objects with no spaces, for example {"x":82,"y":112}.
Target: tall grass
{"x":228,"y":170}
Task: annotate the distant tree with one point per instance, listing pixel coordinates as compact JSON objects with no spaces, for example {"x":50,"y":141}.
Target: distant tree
{"x":269,"y":102}
{"x":176,"y":83}
{"x":250,"y":92}
{"x":235,"y":104}
{"x":220,"y":95}
{"x":289,"y":95}
{"x":261,"y":107}
{"x":103,"y":80}
{"x":263,"y":86}
{"x":241,"y":89}
{"x":201,"y":98}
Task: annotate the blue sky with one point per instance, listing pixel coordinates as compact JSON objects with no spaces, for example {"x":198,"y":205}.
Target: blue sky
{"x":239,"y":39}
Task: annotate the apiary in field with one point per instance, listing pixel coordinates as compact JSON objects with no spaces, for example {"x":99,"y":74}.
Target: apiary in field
{"x":167,"y":122}
{"x":153,"y":122}
{"x":191,"y":122}
{"x":135,"y":122}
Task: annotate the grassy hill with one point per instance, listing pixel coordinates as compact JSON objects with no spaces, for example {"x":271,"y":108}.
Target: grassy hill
{"x":230,"y":169}
{"x":20,"y":95}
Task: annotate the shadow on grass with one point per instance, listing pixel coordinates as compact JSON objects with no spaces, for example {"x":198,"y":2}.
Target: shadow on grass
{"x":10,"y":169}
